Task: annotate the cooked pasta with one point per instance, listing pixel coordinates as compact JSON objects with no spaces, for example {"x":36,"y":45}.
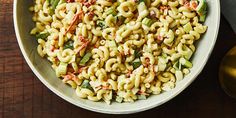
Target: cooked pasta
{"x":121,"y":50}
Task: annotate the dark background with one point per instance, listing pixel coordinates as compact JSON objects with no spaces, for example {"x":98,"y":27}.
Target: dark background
{"x":22,"y":95}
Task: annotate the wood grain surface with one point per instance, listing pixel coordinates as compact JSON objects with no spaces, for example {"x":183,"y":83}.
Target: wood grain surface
{"x":22,"y":95}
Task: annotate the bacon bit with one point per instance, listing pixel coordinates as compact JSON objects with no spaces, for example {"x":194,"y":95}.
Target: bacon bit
{"x":70,"y":1}
{"x":52,"y":48}
{"x":88,"y":3}
{"x":163,"y":7}
{"x":56,"y":59}
{"x":152,"y":14}
{"x":122,"y":55}
{"x":135,"y":0}
{"x":105,"y":87}
{"x":70,"y":76}
{"x":129,"y":73}
{"x":187,"y":4}
{"x":159,"y":39}
{"x":147,"y":60}
{"x":95,"y":46}
{"x":82,"y":39}
{"x":56,"y":39}
{"x":169,"y":47}
{"x":82,"y":46}
{"x":91,"y":15}
{"x":70,"y":69}
{"x":142,"y":93}
{"x":152,"y":68}
{"x":155,"y":63}
{"x":146,"y":64}
{"x":82,"y":68}
{"x":81,"y":1}
{"x":75,"y":20}
{"x":66,"y":78}
{"x":128,"y":52}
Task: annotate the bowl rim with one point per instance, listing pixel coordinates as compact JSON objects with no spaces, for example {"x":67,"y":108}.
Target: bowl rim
{"x":121,"y":111}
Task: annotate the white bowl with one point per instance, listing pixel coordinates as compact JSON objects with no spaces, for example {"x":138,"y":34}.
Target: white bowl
{"x":43,"y":70}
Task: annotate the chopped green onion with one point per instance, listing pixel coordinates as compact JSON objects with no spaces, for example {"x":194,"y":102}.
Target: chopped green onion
{"x":119,"y":99}
{"x":164,"y":55}
{"x":54,"y":4}
{"x":111,"y":11}
{"x":141,"y":1}
{"x":146,"y":21}
{"x":49,"y":1}
{"x":86,"y":85}
{"x":202,"y":7}
{"x":61,"y":69}
{"x":147,"y":2}
{"x":85,"y":59}
{"x":202,"y":10}
{"x":42,"y":35}
{"x":68,"y":44}
{"x":177,"y":66}
{"x":136,"y":63}
{"x":101,"y":24}
{"x":142,"y":9}
{"x":51,"y":11}
{"x":62,"y":1}
{"x":137,"y":54}
{"x":142,"y":97}
{"x":185,"y":62}
{"x":202,"y":18}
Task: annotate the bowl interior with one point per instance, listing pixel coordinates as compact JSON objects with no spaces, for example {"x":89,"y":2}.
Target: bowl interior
{"x":41,"y":67}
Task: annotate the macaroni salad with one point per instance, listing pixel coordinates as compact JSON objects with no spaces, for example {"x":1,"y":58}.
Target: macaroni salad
{"x":121,"y":50}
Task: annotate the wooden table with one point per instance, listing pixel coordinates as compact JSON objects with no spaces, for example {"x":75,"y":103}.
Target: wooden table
{"x":22,"y":95}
